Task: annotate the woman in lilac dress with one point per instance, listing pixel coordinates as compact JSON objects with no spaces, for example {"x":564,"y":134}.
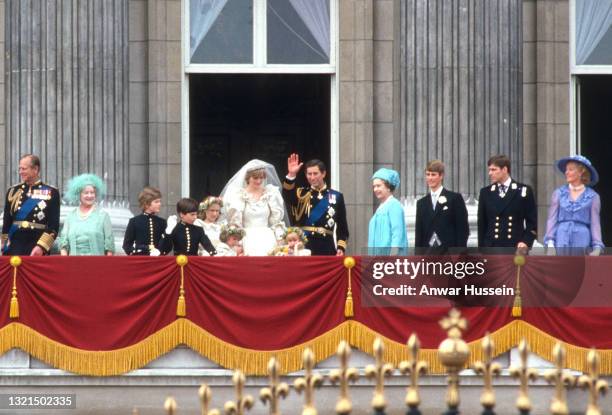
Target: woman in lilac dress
{"x":573,"y":224}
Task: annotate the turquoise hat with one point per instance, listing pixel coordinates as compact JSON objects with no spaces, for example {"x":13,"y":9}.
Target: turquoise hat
{"x":390,"y":176}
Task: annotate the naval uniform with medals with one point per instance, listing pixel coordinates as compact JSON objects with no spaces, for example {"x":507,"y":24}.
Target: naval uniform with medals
{"x":31,"y":218}
{"x":319,"y":213}
{"x":507,"y":215}
{"x":144,"y":234}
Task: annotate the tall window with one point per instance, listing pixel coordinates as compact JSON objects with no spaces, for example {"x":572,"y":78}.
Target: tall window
{"x":263,"y":37}
{"x":260,"y":34}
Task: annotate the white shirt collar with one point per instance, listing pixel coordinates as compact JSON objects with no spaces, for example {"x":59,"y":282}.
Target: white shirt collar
{"x":437,"y":192}
{"x":507,"y":182}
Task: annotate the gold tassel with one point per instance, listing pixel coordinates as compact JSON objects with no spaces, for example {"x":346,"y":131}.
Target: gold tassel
{"x":181,"y":306}
{"x":349,"y":262}
{"x":517,"y":307}
{"x":14,"y":312}
{"x":348,"y":305}
{"x":14,"y":309}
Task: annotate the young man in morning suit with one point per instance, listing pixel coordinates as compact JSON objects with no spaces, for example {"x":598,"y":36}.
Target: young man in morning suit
{"x":507,"y":213}
{"x":317,"y":209}
{"x":441,"y":215}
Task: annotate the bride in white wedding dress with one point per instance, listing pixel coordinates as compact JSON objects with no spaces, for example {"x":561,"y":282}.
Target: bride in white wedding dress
{"x":253,"y":201}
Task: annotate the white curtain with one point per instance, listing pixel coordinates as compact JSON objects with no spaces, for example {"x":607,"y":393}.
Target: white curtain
{"x":593,"y":19}
{"x":202,"y":15}
{"x":315,"y":14}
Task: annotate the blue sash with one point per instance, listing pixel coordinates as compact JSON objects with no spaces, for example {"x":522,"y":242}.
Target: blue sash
{"x":21,"y":215}
{"x":317,"y":212}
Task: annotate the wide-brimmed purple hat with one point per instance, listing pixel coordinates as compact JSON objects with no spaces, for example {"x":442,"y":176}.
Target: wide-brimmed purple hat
{"x":582,"y":160}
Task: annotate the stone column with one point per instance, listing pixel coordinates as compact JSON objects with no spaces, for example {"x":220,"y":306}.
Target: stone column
{"x":549,"y":95}
{"x":139,"y":100}
{"x":356,"y":115}
{"x":66,"y":89}
{"x":461,"y":86}
{"x":155,"y":97}
{"x":163,"y":117}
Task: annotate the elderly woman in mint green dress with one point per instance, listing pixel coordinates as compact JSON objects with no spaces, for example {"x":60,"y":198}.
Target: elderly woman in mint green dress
{"x":387,"y":230}
{"x":87,"y":229}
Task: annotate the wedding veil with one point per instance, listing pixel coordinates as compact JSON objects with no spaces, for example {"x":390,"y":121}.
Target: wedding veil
{"x":238,"y":181}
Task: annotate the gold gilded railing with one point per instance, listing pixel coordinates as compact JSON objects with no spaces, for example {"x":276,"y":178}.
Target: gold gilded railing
{"x":453,"y":353}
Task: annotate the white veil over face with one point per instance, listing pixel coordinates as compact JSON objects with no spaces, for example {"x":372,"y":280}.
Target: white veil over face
{"x":238,"y":181}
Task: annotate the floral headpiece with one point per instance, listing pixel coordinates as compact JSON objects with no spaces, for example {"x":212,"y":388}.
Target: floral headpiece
{"x":210,"y":200}
{"x":298,"y":231}
{"x":231,"y":230}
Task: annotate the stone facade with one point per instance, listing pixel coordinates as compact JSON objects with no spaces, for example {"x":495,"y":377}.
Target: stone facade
{"x":370,"y":93}
{"x":546,"y":131}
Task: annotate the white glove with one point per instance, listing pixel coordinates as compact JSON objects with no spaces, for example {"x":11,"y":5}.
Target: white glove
{"x":550,"y":249}
{"x":154,"y":252}
{"x":595,"y":252}
{"x":171,"y":223}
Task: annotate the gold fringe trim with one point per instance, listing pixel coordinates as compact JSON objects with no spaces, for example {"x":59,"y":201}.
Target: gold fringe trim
{"x":507,"y":337}
{"x":254,"y":362}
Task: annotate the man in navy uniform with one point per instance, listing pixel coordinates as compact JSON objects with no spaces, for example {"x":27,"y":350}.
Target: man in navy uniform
{"x":507,"y":213}
{"x":317,"y":209}
{"x":441,"y":216}
{"x":31,"y":212}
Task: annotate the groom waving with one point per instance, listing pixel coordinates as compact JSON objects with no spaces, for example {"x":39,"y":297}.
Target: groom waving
{"x":317,"y":209}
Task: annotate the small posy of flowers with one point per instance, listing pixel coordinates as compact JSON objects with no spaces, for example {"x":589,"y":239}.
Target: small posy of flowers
{"x":442,"y":200}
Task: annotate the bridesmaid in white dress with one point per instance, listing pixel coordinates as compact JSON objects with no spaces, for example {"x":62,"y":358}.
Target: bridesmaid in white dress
{"x":209,"y":212}
{"x":254,"y":202}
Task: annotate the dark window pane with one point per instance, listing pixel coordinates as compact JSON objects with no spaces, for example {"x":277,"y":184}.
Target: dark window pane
{"x":221,"y":31}
{"x":298,"y":31}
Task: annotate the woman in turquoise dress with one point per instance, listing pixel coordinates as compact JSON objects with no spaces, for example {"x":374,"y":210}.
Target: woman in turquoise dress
{"x":87,"y":229}
{"x":387,"y":230}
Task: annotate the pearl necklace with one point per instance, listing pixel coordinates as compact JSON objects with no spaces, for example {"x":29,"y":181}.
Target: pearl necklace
{"x":576,"y":188}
